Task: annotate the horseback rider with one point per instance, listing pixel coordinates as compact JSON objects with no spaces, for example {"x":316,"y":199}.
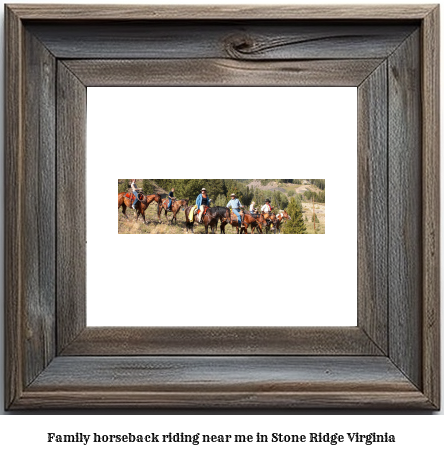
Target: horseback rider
{"x":266,"y":209}
{"x":134,"y":189}
{"x":252,"y":208}
{"x":201,"y":202}
{"x":170,"y":199}
{"x":236,"y":207}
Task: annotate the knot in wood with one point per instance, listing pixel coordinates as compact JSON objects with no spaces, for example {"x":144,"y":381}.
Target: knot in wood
{"x":237,"y":46}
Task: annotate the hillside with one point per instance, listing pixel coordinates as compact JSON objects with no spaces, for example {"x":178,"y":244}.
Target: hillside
{"x":284,"y":187}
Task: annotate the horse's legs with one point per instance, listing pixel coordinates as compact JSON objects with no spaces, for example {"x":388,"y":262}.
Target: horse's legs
{"x":124,"y":211}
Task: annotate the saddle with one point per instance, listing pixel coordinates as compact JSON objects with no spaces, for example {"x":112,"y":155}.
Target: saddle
{"x":204,"y":212}
{"x":130,"y":196}
{"x":167,"y":202}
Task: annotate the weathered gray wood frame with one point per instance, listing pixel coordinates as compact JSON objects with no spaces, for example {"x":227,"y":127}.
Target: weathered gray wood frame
{"x":391,"y":359}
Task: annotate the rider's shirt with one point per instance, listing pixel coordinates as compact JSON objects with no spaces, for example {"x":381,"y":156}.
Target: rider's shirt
{"x":266,"y":208}
{"x":171,"y":195}
{"x":204,"y":201}
{"x":252,"y":208}
{"x":235,"y":204}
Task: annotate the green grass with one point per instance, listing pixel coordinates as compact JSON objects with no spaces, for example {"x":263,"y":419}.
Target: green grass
{"x":131,"y":226}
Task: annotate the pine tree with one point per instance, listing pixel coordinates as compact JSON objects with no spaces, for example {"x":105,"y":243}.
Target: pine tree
{"x":124,"y":185}
{"x":193,"y":188}
{"x":284,"y":201}
{"x":221,"y":200}
{"x":147,"y":187}
{"x":296,"y":225}
{"x":215,"y":187}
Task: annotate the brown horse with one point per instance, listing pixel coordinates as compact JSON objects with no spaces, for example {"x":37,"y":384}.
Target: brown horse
{"x":256,"y":221}
{"x":126,"y":199}
{"x":142,"y":205}
{"x":234,"y":222}
{"x":280,"y":218}
{"x":211,"y":218}
{"x":175,"y":208}
{"x":271,"y":220}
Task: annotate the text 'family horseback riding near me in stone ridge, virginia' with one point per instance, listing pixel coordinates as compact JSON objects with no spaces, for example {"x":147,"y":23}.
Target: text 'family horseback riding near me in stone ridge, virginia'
{"x":221,"y":206}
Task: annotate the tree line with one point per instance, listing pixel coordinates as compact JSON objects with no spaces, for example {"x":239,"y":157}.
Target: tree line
{"x":219,"y":190}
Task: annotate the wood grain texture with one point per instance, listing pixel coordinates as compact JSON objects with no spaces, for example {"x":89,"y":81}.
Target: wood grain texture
{"x":221,"y":72}
{"x":431,"y":206}
{"x":248,"y":40}
{"x":372,"y":207}
{"x":236,"y":40}
{"x":127,"y":341}
{"x":232,"y":382}
{"x":71,"y":206}
{"x":220,"y":12}
{"x":13,"y":209}
{"x":39,"y":193}
{"x":405,"y":209}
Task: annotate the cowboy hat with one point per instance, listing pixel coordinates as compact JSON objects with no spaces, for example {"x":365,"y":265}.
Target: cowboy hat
{"x":204,"y":190}
{"x":233,"y":194}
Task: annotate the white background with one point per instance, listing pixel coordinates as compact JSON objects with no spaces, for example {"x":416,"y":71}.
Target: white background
{"x":417,"y":433}
{"x":222,"y":132}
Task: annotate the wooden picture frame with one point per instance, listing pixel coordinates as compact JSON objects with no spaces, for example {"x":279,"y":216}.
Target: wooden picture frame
{"x":390,"y":360}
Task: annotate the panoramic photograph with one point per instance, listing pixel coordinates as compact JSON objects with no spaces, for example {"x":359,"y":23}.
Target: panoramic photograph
{"x":221,"y":206}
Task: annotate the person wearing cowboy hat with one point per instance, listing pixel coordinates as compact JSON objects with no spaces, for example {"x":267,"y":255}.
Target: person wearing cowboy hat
{"x":266,"y":208}
{"x":236,"y":207}
{"x":201,"y":202}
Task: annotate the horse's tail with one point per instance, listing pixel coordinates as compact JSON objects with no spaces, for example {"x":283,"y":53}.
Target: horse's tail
{"x":159,"y":205}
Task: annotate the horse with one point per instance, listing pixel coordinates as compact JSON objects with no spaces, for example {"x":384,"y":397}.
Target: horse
{"x":125,"y":199}
{"x":233,"y":221}
{"x":271,"y":220}
{"x":279,"y":219}
{"x":210,"y":219}
{"x":142,"y":205}
{"x":255,"y":220}
{"x":175,"y":208}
